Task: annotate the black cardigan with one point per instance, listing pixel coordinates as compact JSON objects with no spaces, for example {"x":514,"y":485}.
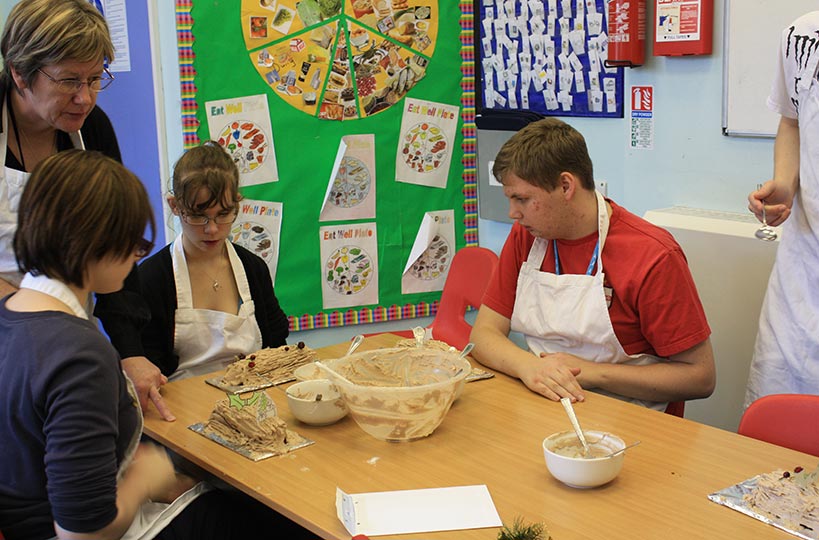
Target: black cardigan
{"x":159,"y":291}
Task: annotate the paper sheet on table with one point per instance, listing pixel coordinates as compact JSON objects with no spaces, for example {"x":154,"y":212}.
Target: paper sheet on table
{"x":417,"y":510}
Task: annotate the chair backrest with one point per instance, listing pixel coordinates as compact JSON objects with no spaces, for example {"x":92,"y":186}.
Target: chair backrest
{"x":471,"y":269}
{"x":676,"y":408}
{"x":784,"y":419}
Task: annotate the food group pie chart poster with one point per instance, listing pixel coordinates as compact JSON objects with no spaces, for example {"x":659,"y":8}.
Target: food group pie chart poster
{"x":350,"y":269}
{"x":258,"y":229}
{"x":424,"y":154}
{"x":333,"y":70}
{"x":340,"y":60}
{"x":351,"y":189}
{"x":242,"y":127}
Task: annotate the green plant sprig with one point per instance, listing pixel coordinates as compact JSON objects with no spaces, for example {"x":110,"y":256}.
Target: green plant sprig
{"x":521,"y":531}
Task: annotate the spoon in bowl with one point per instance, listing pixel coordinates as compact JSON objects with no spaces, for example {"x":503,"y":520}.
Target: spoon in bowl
{"x":419,"y":334}
{"x":567,"y":404}
{"x":354,"y":345}
{"x":623,"y":449}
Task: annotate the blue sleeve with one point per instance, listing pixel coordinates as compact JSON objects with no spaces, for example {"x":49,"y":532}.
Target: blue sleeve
{"x":81,"y":431}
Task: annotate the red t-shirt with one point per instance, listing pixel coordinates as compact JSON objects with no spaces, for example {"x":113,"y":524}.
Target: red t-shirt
{"x":655,"y":308}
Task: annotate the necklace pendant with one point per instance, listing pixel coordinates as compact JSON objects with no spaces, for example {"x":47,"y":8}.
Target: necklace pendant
{"x":215,"y":285}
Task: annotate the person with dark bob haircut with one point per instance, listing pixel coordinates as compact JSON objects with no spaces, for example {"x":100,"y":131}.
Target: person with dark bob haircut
{"x":71,"y":462}
{"x":55,"y":54}
{"x":605,"y":299}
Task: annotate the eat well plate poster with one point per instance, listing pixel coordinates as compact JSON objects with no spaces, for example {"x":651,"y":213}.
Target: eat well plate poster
{"x":349,"y":255}
{"x":242,"y":127}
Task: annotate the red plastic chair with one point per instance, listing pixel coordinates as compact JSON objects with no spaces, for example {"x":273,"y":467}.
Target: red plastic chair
{"x":471,"y":269}
{"x":676,"y":408}
{"x":787,"y":420}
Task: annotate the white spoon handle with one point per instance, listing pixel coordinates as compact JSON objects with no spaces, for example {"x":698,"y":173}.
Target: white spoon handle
{"x":567,"y":404}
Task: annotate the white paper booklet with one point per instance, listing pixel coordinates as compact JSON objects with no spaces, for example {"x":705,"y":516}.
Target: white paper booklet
{"x":417,"y":510}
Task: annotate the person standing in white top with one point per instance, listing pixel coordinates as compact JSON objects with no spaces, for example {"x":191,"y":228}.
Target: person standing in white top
{"x":786,"y":354}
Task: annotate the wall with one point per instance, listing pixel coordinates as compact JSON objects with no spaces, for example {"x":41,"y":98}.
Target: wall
{"x":692,"y":163}
{"x":131,"y":104}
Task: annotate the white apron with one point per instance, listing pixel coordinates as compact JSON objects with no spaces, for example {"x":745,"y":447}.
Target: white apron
{"x":12,"y":183}
{"x":786,"y":355}
{"x":151,"y":517}
{"x":568,"y":312}
{"x":207,"y":340}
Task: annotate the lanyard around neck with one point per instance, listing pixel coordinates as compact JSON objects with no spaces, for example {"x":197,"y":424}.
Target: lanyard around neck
{"x":16,"y":131}
{"x":592,"y":262}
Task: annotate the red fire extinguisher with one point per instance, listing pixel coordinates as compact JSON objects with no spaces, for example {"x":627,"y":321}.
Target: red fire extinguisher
{"x":627,"y":33}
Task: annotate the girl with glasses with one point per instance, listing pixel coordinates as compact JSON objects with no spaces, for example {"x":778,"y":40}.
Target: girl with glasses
{"x":209,"y":299}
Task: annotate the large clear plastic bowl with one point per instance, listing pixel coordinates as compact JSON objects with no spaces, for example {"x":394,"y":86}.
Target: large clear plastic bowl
{"x":399,"y":394}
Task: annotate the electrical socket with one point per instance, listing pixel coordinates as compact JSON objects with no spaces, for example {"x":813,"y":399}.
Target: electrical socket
{"x":602,"y":187}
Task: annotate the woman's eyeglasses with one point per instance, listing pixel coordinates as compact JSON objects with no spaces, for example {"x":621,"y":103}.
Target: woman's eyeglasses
{"x":143,"y":248}
{"x":72,"y":86}
{"x":201,"y":219}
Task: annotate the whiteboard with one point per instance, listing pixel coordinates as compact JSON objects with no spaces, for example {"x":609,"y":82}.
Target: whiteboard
{"x":752,"y":33}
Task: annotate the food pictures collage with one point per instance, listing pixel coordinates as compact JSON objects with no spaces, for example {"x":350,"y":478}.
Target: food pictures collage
{"x":340,"y":59}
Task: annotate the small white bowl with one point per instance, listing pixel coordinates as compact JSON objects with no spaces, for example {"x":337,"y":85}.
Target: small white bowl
{"x":563,"y":453}
{"x":306,"y":405}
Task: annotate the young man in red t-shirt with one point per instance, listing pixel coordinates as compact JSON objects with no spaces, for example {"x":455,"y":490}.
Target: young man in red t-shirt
{"x":604,"y":298}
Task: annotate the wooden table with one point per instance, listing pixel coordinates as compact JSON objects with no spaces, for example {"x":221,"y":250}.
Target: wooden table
{"x":492,"y":435}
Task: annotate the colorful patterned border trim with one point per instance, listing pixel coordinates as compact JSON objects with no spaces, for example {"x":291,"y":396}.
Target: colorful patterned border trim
{"x":469,"y":130}
{"x":363,"y":316}
{"x":184,"y":43}
{"x":190,"y":127}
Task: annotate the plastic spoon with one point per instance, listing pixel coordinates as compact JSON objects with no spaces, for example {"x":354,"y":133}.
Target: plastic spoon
{"x":354,"y":345}
{"x":419,"y":334}
{"x":334,"y":373}
{"x":467,"y":349}
{"x":765,"y":232}
{"x":567,"y":404}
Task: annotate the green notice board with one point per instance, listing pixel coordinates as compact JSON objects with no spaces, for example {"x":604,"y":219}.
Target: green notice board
{"x":221,"y":60}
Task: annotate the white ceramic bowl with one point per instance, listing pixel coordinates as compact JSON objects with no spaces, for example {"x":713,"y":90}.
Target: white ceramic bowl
{"x":399,"y":394}
{"x":303,"y":400}
{"x":563,"y":453}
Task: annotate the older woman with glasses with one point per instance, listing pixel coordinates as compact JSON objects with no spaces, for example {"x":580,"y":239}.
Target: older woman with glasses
{"x":209,"y":299}
{"x":54,"y":57}
{"x":54,"y":52}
